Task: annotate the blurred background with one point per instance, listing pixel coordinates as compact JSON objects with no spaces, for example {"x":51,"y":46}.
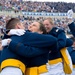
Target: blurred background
{"x":30,"y":10}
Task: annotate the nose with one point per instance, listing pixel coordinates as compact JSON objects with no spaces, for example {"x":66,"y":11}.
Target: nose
{"x":45,"y":26}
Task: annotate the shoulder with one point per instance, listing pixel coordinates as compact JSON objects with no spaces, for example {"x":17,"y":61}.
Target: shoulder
{"x":58,"y":30}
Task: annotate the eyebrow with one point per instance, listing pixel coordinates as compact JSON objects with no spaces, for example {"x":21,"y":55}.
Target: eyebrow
{"x":34,"y":24}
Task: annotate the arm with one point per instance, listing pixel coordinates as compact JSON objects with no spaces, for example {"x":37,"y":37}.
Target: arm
{"x":61,"y":39}
{"x":39,"y":40}
{"x":31,"y":46}
{"x":35,"y":40}
{"x":71,"y":24}
{"x":26,"y":51}
{"x":69,"y":42}
{"x":72,"y":28}
{"x":6,"y":36}
{"x":26,"y":48}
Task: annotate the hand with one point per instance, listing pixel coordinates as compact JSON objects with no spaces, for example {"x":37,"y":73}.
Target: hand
{"x":18,"y":32}
{"x":70,"y":14}
{"x":5,"y":42}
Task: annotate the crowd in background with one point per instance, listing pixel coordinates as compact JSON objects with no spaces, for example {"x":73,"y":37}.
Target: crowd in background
{"x":29,"y":6}
{"x":27,"y":20}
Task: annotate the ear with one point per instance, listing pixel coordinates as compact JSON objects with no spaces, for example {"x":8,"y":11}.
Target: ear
{"x":17,"y":26}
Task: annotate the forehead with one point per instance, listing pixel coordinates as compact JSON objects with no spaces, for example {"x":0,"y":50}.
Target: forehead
{"x":46,"y":21}
{"x":35,"y":23}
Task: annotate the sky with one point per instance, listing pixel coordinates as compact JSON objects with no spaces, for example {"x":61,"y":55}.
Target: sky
{"x":73,"y":1}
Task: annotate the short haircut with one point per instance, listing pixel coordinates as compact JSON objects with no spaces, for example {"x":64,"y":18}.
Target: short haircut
{"x":12,"y":23}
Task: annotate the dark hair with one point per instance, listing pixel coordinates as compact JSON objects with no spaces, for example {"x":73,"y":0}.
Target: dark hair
{"x":12,"y":23}
{"x":42,"y":28}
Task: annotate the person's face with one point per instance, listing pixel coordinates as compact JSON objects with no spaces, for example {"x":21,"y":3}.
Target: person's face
{"x":35,"y":27}
{"x":47,"y":25}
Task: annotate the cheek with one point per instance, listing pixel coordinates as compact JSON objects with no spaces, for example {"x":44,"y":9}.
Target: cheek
{"x":23,"y":27}
{"x":35,"y":29}
{"x":47,"y":27}
{"x":32,"y":29}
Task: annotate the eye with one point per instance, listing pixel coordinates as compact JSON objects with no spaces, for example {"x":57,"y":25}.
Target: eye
{"x":46,"y":24}
{"x":34,"y":25}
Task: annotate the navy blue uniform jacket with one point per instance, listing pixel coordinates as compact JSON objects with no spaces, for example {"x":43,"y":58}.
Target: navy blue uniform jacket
{"x":26,"y":44}
{"x":72,"y":28}
{"x":72,"y":54}
{"x":61,"y":38}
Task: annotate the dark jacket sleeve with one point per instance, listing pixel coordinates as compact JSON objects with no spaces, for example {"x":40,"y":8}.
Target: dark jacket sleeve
{"x":42,"y":40}
{"x":72,"y":28}
{"x":6,"y":36}
{"x":69,"y":42}
{"x":26,"y":51}
{"x":60,"y":35}
{"x":61,"y":39}
{"x":37,"y":40}
{"x":32,"y":44}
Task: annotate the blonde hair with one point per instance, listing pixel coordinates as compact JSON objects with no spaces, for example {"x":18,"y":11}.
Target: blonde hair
{"x":50,"y":20}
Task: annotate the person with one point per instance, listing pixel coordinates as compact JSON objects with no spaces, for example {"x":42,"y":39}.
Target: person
{"x":71,"y":50}
{"x":40,"y":60}
{"x":24,"y":44}
{"x":71,"y":26}
{"x":37,"y":27}
{"x":55,"y":58}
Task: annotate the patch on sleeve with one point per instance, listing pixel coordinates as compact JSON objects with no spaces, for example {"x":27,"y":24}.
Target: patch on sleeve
{"x":57,"y":30}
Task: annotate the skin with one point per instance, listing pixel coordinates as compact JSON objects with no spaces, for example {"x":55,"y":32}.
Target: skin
{"x":48,"y":25}
{"x":19,"y":26}
{"x":35,"y":27}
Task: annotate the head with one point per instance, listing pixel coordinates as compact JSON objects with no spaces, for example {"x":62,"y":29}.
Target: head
{"x":37,"y":27}
{"x":14,"y":23}
{"x":48,"y":23}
